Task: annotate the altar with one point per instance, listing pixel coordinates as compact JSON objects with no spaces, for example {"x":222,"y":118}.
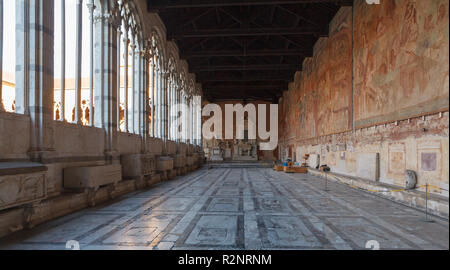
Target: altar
{"x":232,"y":150}
{"x":245,"y":150}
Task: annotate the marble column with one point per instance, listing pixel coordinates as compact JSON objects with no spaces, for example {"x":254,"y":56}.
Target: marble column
{"x":133,"y":115}
{"x":118,"y":58}
{"x":158,"y":102}
{"x":91,"y":8}
{"x":125,"y":80}
{"x":152,"y":96}
{"x":78,"y":62}
{"x":63,"y":61}
{"x":38,"y":90}
{"x":106,"y":81}
{"x":1,"y":55}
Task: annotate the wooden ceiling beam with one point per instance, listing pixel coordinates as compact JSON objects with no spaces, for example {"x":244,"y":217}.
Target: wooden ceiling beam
{"x":287,"y":77}
{"x":250,"y":32}
{"x":292,"y":67}
{"x":158,"y":5}
{"x":242,"y":53}
{"x":237,"y":88}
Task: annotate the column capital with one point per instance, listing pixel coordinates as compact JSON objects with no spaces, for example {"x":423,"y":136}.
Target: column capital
{"x":125,"y":39}
{"x":145,"y":54}
{"x":91,"y":6}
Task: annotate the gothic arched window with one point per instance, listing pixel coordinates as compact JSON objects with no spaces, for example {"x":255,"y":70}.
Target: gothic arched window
{"x":128,"y":70}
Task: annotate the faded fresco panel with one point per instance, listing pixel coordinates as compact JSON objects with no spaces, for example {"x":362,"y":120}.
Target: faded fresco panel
{"x":401,"y":59}
{"x":322,"y":98}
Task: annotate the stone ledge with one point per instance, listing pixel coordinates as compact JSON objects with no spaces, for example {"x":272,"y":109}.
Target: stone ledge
{"x":437,"y":205}
{"x":15,"y":168}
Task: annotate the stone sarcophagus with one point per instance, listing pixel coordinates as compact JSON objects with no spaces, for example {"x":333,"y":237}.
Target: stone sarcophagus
{"x":182,"y":148}
{"x":190,"y":149}
{"x":179,"y":161}
{"x":92,"y":176}
{"x":190,"y":161}
{"x":139,"y":165}
{"x":22,"y":183}
{"x":196,"y":157}
{"x":164,"y":164}
{"x":171,"y":148}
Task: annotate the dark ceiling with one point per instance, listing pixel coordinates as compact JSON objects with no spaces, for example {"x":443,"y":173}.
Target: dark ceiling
{"x":245,"y":49}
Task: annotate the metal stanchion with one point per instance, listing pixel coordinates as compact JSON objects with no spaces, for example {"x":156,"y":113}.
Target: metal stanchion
{"x":325,"y":169}
{"x":426,"y":204}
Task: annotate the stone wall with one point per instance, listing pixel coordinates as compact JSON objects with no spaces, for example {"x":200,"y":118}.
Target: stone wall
{"x":14,"y":136}
{"x":393,"y":114}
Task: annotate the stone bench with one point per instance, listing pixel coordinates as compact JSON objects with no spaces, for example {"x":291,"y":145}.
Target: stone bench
{"x":22,"y":183}
{"x":92,"y":177}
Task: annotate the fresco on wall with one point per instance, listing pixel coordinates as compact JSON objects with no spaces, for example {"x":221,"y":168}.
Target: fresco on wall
{"x":320,"y":104}
{"x":401,"y":60}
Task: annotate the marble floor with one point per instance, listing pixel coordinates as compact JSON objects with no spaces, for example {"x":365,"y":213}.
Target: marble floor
{"x":240,"y":208}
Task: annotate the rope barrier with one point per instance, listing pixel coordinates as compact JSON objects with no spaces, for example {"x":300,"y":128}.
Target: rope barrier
{"x":426,"y":186}
{"x":427,"y":191}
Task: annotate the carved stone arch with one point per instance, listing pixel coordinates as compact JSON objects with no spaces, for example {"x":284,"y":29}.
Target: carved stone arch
{"x":157,"y":47}
{"x":183,"y":80}
{"x":198,"y":89}
{"x":158,"y":35}
{"x":136,"y":19}
{"x":191,"y":84}
{"x":129,"y":18}
{"x":172,"y":66}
